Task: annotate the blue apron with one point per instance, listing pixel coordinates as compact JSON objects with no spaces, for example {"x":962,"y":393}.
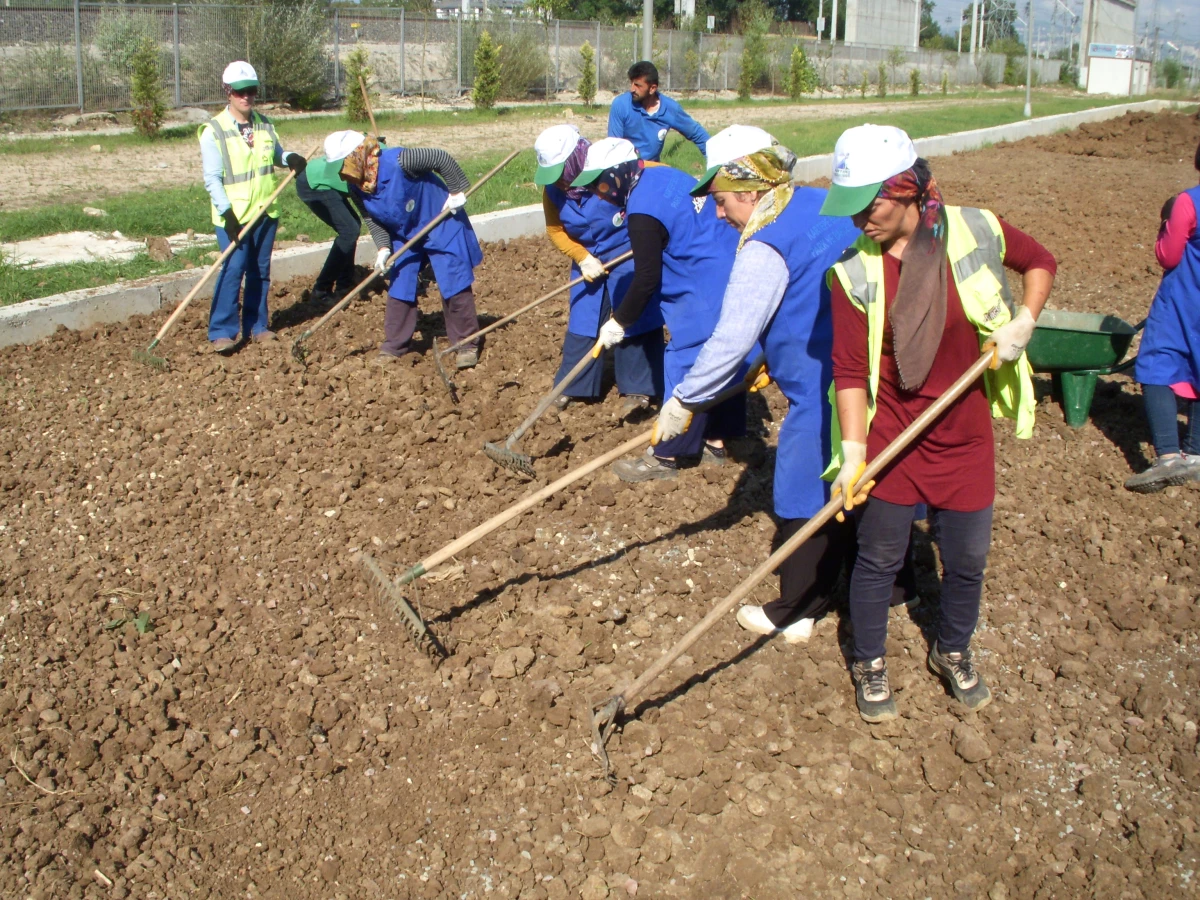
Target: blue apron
{"x":696,"y":264}
{"x":799,"y":347}
{"x":403,"y":205}
{"x":600,"y":228}
{"x":1170,"y":348}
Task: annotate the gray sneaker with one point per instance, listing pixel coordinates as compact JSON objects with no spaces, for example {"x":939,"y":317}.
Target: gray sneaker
{"x":873,"y":691}
{"x":646,"y":467}
{"x":466,"y":359}
{"x":1166,"y":471}
{"x":958,"y":671}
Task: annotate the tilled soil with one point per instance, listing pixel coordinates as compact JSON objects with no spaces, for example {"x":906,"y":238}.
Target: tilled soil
{"x":202,"y":696}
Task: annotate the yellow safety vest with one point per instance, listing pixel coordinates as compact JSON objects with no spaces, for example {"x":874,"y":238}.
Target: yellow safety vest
{"x":249,"y":175}
{"x":975,"y":248}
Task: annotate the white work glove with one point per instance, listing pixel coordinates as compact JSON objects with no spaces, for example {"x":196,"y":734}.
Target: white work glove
{"x":381,"y":259}
{"x":673,"y":420}
{"x":455,"y":202}
{"x":854,"y":460}
{"x":591,"y":268}
{"x":611,"y":333}
{"x":1012,"y":339}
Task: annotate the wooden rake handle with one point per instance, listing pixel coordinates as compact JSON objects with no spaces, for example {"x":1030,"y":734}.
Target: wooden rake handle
{"x":609,"y":266}
{"x":225,"y":254}
{"x":555,"y":393}
{"x":827,"y":512}
{"x":370,"y":112}
{"x":428,"y":227}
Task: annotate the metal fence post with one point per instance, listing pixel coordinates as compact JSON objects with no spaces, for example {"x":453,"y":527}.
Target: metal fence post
{"x":175,"y":37}
{"x":78,"y":59}
{"x":459,"y":94}
{"x":699,"y":61}
{"x":557,"y":56}
{"x":670,"y":34}
{"x":599,"y":86}
{"x":635,"y":43}
{"x":337,"y":58}
{"x":401,"y":51}
{"x":725,"y":51}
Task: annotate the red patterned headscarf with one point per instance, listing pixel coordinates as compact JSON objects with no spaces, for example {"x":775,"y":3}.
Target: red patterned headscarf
{"x":918,"y":313}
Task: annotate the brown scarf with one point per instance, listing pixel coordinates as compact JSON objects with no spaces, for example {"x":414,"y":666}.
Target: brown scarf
{"x":918,"y":313}
{"x":362,"y":165}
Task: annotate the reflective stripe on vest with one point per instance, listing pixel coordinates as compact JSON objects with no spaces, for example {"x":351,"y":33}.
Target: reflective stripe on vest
{"x":975,"y":248}
{"x":249,"y":172}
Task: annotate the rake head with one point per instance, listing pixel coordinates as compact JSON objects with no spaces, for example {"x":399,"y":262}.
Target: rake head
{"x":389,"y":593}
{"x":147,"y":358}
{"x":447,"y":380}
{"x":299,"y":351}
{"x":510,"y":459}
{"x":604,"y":721}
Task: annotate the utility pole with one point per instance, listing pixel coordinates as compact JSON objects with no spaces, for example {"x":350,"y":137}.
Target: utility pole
{"x":974,"y":27}
{"x":917,"y":27}
{"x":820,"y":18}
{"x":647,"y":29}
{"x":833,"y":19}
{"x":1029,"y":64}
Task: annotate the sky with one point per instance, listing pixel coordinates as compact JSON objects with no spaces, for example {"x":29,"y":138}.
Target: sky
{"x":1177,"y":19}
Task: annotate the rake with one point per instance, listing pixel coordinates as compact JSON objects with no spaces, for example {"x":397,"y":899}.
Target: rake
{"x":389,"y":594}
{"x":300,"y":352}
{"x":147,"y":356}
{"x":606,"y":714}
{"x":448,"y":379}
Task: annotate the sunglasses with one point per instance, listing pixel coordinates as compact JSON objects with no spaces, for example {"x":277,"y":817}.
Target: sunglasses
{"x":245,"y":92}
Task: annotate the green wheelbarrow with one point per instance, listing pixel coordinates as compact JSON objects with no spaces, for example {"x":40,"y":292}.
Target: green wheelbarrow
{"x":1077,"y":348}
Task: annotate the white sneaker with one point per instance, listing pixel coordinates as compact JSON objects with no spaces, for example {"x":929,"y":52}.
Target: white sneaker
{"x":752,"y":618}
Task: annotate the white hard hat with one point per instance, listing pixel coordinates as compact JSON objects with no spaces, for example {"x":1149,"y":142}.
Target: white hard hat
{"x":553,"y":148}
{"x":863,"y":159}
{"x":239,"y":75}
{"x":604,"y":155}
{"x":341,"y":144}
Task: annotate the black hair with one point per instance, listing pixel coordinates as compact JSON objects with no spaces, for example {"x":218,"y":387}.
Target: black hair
{"x":644,"y":69}
{"x":1165,"y":212}
{"x":923,"y":172}
{"x":1197,"y":162}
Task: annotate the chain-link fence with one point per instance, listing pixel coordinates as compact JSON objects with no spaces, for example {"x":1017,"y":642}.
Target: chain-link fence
{"x":77,"y":56}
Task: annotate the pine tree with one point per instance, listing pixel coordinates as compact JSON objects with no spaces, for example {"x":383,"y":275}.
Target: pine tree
{"x":357,"y":67}
{"x":487,"y":73}
{"x":146,"y":89}
{"x":587,"y":73}
{"x":802,"y":77}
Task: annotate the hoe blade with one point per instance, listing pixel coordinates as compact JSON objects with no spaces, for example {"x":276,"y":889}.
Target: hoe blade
{"x":447,"y":380}
{"x":510,"y":459}
{"x":390,"y":594}
{"x":604,"y":721}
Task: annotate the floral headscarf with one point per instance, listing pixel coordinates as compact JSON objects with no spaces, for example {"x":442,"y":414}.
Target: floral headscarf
{"x":767,"y":170}
{"x":362,"y":165}
{"x":615,"y":184}
{"x":918,"y":313}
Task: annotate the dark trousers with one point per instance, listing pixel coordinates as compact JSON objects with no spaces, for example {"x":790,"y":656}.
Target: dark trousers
{"x":637,"y":365}
{"x":725,"y":420}
{"x":808,"y":578}
{"x":400,"y":321}
{"x":963,"y":538}
{"x":1162,"y":412}
{"x":336,"y":211}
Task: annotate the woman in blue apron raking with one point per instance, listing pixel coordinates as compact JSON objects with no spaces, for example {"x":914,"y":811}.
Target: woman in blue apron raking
{"x":682,"y":256}
{"x":592,"y":233}
{"x":397,"y":193}
{"x":1168,"y":361}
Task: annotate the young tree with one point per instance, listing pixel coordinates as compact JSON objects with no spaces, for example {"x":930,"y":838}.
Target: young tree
{"x":802,"y":77}
{"x":146,"y":89}
{"x":882,"y":90}
{"x":357,"y":67}
{"x":864,"y":85}
{"x":914,"y":81}
{"x":487,"y":73}
{"x":755,"y":23}
{"x":587,"y":73}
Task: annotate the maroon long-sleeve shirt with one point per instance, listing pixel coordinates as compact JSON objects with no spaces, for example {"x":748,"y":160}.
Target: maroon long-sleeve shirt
{"x":954,"y":466}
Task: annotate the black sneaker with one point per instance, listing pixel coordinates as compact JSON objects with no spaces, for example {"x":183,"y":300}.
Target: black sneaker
{"x":874,"y":694}
{"x":958,"y":671}
{"x":646,"y":467}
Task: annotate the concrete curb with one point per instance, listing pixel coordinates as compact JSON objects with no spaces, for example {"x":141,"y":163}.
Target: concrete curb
{"x":24,"y":323}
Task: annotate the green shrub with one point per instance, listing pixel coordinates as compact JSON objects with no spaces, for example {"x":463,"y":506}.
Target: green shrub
{"x":945,"y":83}
{"x":146,"y":89}
{"x":286,"y":42}
{"x":587,"y":73}
{"x":987,"y":74}
{"x":119,"y":38}
{"x":755,"y":64}
{"x":914,"y":82}
{"x":881,"y":91}
{"x":358,"y":73}
{"x":896,"y":58}
{"x":1068,"y":74}
{"x":487,"y":73}
{"x":1170,"y":73}
{"x":524,"y":61}
{"x":802,"y":77}
{"x":864,"y":85}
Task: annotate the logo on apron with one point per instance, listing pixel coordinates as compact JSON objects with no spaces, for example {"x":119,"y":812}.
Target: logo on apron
{"x":618,"y":218}
{"x":410,"y":205}
{"x":662,"y":134}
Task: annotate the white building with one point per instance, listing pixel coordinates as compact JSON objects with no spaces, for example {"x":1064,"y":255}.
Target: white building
{"x":1107,"y":33}
{"x":884,"y":23}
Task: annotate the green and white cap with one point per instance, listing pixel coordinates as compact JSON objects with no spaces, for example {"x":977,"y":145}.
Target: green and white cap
{"x":863,"y":159}
{"x":553,"y":148}
{"x":239,"y":75}
{"x":730,"y":145}
{"x":603,"y":155}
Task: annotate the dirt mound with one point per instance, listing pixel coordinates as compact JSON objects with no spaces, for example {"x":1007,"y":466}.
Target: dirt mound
{"x":1135,"y":135}
{"x":201,"y":696}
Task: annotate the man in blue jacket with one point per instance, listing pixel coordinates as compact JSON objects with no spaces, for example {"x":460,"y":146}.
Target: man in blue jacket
{"x":644,"y":116}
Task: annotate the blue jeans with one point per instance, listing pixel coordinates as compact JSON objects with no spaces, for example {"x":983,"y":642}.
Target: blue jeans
{"x":251,"y":261}
{"x":1162,"y":412}
{"x":963,"y":538}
